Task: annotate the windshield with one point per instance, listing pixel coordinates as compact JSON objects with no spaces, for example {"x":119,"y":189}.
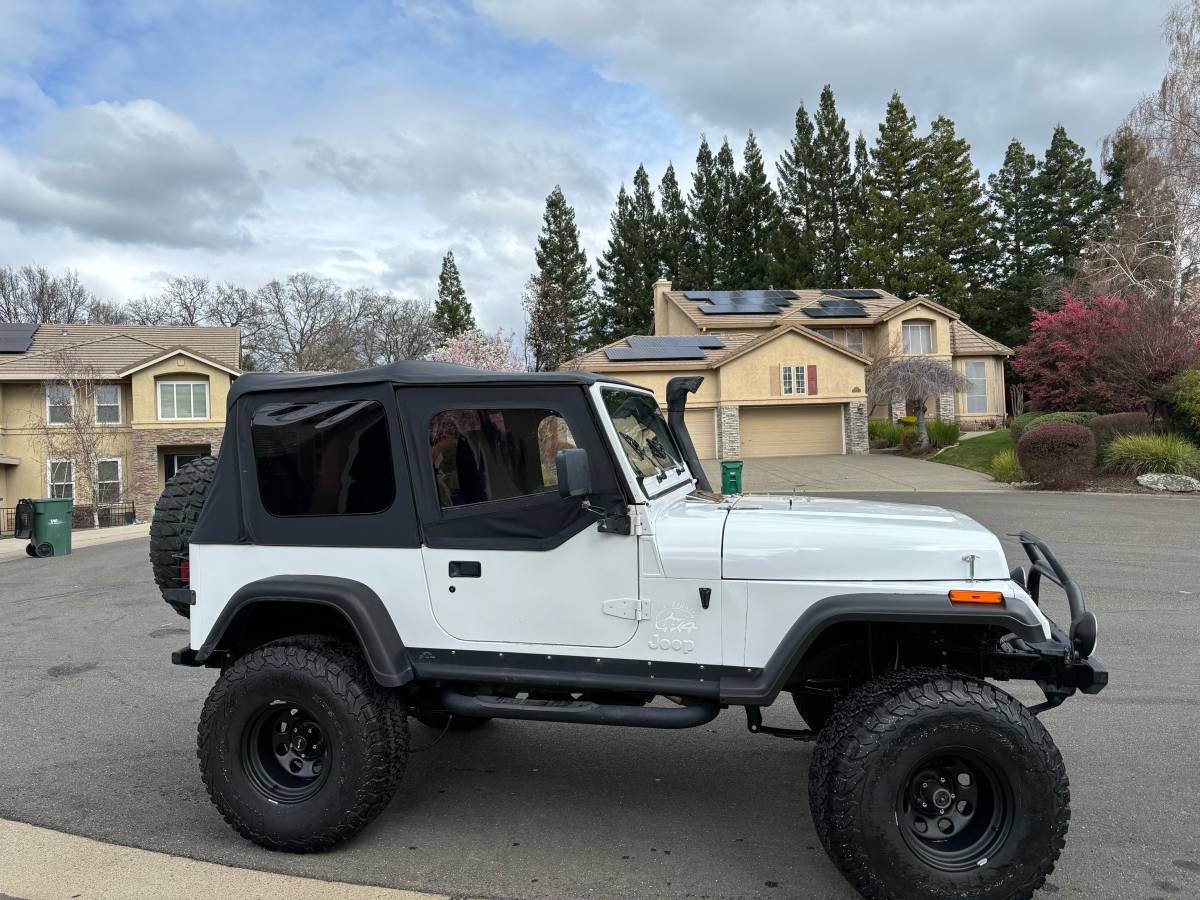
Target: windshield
{"x":643,"y":432}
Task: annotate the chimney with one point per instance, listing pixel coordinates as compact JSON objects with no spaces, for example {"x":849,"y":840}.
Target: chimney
{"x":660,"y":306}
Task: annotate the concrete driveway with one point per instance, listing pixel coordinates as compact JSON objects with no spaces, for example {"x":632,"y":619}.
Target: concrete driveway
{"x":99,"y":735}
{"x":872,"y":472}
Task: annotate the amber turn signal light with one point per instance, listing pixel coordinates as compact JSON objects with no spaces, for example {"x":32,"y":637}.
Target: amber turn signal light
{"x":993,"y":597}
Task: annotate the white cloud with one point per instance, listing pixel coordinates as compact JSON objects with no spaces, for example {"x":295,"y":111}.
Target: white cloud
{"x":130,"y":173}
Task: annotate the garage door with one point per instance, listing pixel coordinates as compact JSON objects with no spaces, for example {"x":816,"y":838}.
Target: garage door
{"x":701,"y":425}
{"x":790,"y":430}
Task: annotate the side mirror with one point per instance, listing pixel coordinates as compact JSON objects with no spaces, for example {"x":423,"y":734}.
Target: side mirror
{"x":574,"y":473}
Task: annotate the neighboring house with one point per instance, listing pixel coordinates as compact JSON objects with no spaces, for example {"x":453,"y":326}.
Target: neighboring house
{"x":158,"y":400}
{"x":784,"y":371}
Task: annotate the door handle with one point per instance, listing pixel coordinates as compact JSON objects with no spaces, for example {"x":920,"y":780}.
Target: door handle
{"x":465,"y":568}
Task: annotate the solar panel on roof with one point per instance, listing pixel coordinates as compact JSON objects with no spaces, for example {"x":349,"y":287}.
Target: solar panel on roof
{"x":628,"y":354}
{"x":779,"y":298}
{"x":710,"y":342}
{"x":16,"y":338}
{"x":852,"y":293}
{"x":836,"y":312}
{"x":739,"y":309}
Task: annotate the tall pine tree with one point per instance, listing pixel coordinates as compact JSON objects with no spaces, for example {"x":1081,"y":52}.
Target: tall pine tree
{"x":564,"y":276}
{"x":452,"y":313}
{"x":833,"y":193}
{"x":677,"y":245}
{"x":889,"y":237}
{"x":630,"y":265}
{"x":755,"y":219}
{"x":1068,"y":204}
{"x":955,"y":241}
{"x":795,"y":239}
{"x":706,"y":215}
{"x":1015,"y":276}
{"x":727,"y":267}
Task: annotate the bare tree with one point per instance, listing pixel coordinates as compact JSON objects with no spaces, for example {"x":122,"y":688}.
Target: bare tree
{"x":236,"y":307}
{"x":304,"y":324}
{"x":101,"y":312}
{"x":35,"y":295}
{"x":1168,"y":121}
{"x":399,"y":329}
{"x":912,"y":379}
{"x":71,"y":426}
{"x":546,"y":339}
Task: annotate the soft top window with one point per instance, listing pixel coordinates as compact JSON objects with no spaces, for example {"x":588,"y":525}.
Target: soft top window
{"x":482,"y":455}
{"x":323,"y":459}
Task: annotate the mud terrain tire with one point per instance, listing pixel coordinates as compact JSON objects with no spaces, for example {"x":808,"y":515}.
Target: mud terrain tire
{"x":175,"y":517}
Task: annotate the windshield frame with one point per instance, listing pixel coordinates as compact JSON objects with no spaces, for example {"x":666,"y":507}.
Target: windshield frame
{"x":665,"y":479}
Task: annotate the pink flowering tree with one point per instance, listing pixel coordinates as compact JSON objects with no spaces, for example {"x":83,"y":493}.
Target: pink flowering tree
{"x":478,"y":350}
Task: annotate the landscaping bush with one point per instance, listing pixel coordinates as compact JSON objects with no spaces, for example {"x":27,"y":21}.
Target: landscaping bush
{"x":885,"y":431}
{"x":1185,"y":402}
{"x":1105,"y":428}
{"x":909,"y":439}
{"x":1075,"y":418}
{"x":1006,"y":467}
{"x":907,"y":420}
{"x":1019,"y":422}
{"x":1058,"y":454}
{"x":942,"y":433}
{"x":1137,"y":454}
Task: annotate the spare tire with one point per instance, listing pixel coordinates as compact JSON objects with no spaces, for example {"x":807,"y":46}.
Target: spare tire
{"x":175,"y":517}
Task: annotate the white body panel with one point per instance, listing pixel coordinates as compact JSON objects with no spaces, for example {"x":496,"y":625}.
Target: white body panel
{"x":765,"y":560}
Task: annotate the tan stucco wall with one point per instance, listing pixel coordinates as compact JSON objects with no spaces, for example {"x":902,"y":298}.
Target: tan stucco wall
{"x":754,"y":377}
{"x":889,"y":334}
{"x":23,"y":408}
{"x":708,"y":395}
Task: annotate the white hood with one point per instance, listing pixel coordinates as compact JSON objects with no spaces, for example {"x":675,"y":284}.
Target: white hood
{"x":800,"y":538}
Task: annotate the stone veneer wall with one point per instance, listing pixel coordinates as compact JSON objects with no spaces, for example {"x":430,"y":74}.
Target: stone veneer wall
{"x":945,"y":407}
{"x":854,"y":423}
{"x":144,"y":484}
{"x":729,"y":432}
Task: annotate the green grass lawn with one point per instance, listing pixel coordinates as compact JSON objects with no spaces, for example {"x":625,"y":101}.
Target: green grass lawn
{"x":977,"y":453}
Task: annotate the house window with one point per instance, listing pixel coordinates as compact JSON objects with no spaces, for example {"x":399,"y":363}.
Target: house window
{"x":854,"y":339}
{"x":976,"y":372}
{"x":60,"y":404}
{"x":183,"y":399}
{"x":793,"y":380}
{"x":483,"y":455}
{"x":108,"y":481}
{"x":61,"y":478}
{"x":917,"y":337}
{"x":108,"y":404}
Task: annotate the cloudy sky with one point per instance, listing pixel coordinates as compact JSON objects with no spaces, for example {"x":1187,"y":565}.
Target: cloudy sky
{"x":361,"y":140}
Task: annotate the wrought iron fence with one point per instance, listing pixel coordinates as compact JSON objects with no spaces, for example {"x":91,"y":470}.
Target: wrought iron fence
{"x":81,"y":517}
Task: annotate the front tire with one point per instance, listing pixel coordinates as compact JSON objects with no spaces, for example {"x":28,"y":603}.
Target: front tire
{"x":929,"y":784}
{"x":299,"y":747}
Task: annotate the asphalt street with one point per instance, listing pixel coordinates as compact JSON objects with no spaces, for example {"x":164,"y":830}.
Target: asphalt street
{"x":98,"y":737}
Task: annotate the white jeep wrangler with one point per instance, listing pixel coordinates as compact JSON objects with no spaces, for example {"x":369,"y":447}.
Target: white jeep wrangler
{"x":428,"y":540}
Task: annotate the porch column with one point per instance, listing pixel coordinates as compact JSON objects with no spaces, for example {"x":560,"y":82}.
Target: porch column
{"x":854,"y":425}
{"x":729,"y":432}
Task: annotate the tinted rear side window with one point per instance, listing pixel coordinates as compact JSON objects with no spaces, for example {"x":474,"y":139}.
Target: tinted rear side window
{"x":323,"y":459}
{"x":480,"y":455}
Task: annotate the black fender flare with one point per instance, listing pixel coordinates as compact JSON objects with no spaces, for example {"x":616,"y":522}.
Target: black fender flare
{"x":360,"y":605}
{"x":760,"y":687}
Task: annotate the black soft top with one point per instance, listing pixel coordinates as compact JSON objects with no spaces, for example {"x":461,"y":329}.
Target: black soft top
{"x":408,"y":372}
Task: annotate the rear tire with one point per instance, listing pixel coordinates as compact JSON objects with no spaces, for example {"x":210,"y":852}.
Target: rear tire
{"x":299,"y":747}
{"x":928,"y":784}
{"x":174,"y":520}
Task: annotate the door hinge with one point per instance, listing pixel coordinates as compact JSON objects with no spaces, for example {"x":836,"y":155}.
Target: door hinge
{"x":627,"y":609}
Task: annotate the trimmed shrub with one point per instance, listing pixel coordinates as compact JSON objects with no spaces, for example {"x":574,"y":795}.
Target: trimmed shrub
{"x":909,"y":439}
{"x":1019,"y":422}
{"x":1057,"y":454}
{"x":885,"y":431}
{"x":942,"y":433}
{"x":1006,"y":467}
{"x":1105,"y":428}
{"x":907,"y":420}
{"x":1137,"y":454}
{"x":1075,"y":418}
{"x":1185,"y":402}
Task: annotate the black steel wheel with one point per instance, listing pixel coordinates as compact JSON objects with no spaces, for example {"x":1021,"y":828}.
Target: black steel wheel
{"x":287,"y":754}
{"x":299,"y":746}
{"x":930,"y":784}
{"x":954,"y":810}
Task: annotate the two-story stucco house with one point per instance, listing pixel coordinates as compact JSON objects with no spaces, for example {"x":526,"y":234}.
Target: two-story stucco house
{"x":785,"y":371}
{"x":157,"y":396}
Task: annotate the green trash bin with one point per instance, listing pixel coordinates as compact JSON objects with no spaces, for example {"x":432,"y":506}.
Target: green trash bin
{"x":731,"y":476}
{"x":51,"y":533}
